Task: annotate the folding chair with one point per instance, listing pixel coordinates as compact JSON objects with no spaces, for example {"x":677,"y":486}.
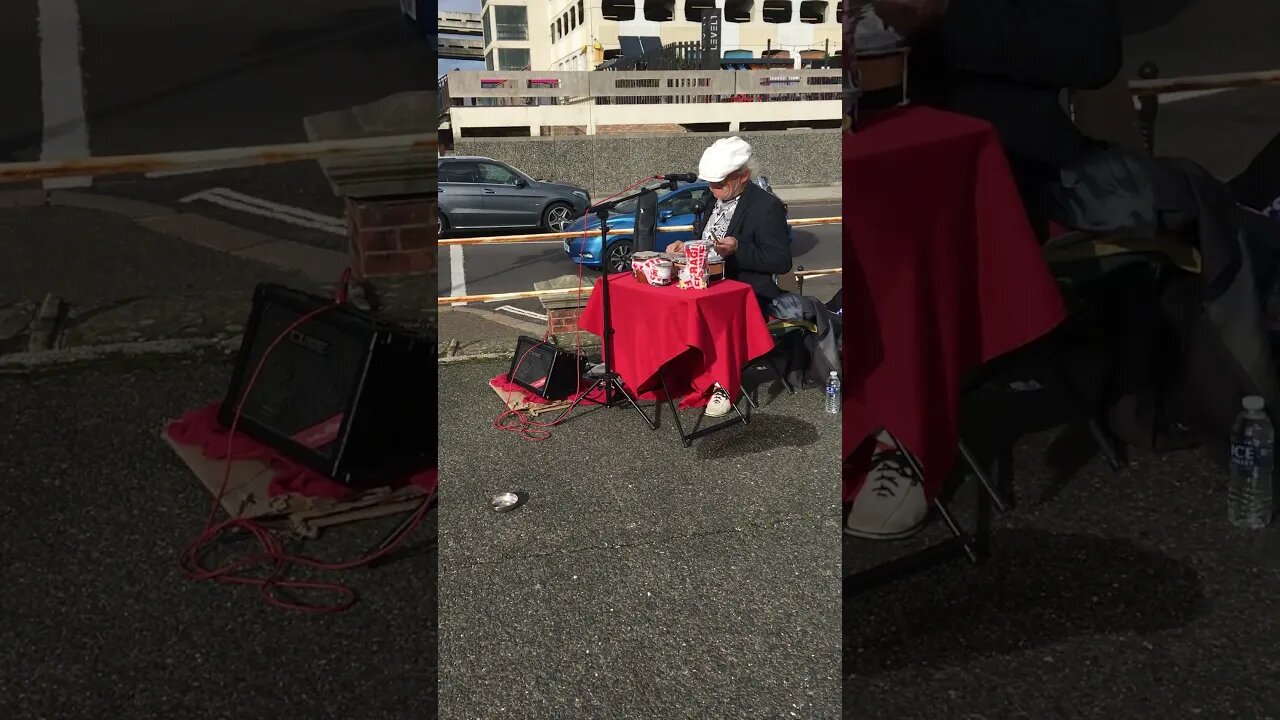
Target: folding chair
{"x":783,"y":333}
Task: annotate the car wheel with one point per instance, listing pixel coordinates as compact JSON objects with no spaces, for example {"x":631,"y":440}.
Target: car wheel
{"x":619,"y":256}
{"x":442,"y":224}
{"x":557,"y":217}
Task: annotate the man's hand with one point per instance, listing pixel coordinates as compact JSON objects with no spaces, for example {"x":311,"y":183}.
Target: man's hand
{"x":908,"y":17}
{"x":727,"y":247}
{"x":676,"y":247}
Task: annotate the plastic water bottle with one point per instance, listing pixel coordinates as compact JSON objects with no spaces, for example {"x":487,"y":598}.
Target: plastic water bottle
{"x":1250,"y":490}
{"x":833,"y":393}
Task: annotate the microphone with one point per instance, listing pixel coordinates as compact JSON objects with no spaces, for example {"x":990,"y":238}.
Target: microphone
{"x":679,"y":177}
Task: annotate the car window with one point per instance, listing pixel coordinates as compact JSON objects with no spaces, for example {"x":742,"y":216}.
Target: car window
{"x":685,"y":203}
{"x":462,"y":172}
{"x":494,"y":174}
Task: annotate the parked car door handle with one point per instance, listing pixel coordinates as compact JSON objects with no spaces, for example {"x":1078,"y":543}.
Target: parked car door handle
{"x":487,"y":191}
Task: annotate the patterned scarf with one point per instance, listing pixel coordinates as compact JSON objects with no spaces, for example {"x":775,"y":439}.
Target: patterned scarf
{"x":721,"y":215}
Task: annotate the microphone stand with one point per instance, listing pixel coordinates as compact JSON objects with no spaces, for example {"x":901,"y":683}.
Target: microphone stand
{"x":611,"y":380}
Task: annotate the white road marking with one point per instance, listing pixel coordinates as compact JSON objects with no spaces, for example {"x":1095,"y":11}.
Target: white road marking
{"x":66,"y":134}
{"x":457,"y":275}
{"x":524,"y":313}
{"x":277,"y":207}
{"x":265,"y":208}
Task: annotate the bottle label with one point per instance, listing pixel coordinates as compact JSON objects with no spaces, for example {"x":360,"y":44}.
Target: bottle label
{"x":1249,"y":454}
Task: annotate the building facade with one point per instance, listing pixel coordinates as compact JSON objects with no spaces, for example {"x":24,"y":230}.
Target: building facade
{"x":540,"y":35}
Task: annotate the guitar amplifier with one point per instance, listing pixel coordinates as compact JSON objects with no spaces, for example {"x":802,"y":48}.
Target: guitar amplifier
{"x":544,"y":370}
{"x":342,"y":393}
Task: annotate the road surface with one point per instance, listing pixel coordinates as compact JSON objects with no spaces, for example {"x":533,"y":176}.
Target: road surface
{"x":157,"y":76}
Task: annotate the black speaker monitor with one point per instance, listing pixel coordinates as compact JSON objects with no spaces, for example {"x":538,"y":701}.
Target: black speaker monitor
{"x":544,"y":370}
{"x":343,"y":393}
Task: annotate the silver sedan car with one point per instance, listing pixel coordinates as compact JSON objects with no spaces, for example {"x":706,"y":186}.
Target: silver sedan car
{"x":478,"y":193}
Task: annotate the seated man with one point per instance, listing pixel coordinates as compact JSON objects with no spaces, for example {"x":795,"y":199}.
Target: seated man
{"x":1010,"y":63}
{"x":747,"y":226}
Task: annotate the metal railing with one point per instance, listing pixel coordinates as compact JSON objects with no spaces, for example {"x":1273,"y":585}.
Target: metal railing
{"x":194,"y":161}
{"x":542,"y":237}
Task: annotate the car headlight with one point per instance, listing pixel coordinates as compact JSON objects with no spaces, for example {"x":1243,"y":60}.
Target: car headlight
{"x":581,"y":194}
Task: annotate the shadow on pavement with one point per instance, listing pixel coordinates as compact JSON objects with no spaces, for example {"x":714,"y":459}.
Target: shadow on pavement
{"x":1039,"y":589}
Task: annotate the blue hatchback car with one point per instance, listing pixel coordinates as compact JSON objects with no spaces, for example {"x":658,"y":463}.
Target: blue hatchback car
{"x":675,"y":207}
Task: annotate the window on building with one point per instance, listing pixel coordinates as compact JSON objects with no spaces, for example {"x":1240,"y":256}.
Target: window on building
{"x":777,"y":11}
{"x":554,"y":37}
{"x":513,"y":59}
{"x":582,"y":15}
{"x":738,"y":11}
{"x":485,"y":27}
{"x":619,"y":10}
{"x":488,"y":61}
{"x":512,"y":22}
{"x":693,"y":9}
{"x":659,"y":10}
{"x":813,"y":11}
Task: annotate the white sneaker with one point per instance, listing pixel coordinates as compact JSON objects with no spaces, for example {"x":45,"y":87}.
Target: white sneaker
{"x":719,"y":405}
{"x":891,"y":504}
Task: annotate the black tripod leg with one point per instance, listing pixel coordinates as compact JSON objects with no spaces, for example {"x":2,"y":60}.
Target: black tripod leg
{"x":653,"y":424}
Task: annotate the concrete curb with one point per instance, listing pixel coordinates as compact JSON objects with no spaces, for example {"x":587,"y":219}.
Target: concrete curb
{"x":20,"y":362}
{"x":815,"y":194}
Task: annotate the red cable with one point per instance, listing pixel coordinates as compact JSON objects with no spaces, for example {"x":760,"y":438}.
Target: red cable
{"x":272,"y":550}
{"x":526,"y":427}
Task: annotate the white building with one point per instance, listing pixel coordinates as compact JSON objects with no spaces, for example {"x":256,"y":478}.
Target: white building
{"x":542,"y":35}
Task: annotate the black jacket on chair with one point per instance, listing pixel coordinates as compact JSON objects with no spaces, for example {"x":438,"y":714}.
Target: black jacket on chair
{"x":764,"y":249}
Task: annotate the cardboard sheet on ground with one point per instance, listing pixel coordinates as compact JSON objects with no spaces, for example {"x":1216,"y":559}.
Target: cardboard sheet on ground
{"x":517,"y":400}
{"x":248,"y":494}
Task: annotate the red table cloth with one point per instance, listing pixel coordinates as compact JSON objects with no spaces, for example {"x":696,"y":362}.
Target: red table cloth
{"x":942,"y":272}
{"x":695,"y":337}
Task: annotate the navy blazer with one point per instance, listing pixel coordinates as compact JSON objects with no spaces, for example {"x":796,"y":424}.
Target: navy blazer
{"x":764,"y":248}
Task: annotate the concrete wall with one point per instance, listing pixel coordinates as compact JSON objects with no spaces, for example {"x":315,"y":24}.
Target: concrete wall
{"x":605,"y":164}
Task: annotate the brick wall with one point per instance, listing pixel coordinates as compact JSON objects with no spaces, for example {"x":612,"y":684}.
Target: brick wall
{"x":394,"y":236}
{"x":563,"y":321}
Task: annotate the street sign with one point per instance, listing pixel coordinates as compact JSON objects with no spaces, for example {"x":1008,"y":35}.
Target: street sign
{"x":711,"y":39}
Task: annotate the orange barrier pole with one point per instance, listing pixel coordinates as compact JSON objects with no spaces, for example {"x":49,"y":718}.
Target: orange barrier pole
{"x":543,"y":237}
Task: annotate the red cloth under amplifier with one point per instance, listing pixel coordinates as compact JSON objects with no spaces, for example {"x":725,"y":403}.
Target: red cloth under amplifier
{"x":201,"y":427}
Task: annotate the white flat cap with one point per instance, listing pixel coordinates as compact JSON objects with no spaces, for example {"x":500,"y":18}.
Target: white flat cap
{"x":723,"y":157}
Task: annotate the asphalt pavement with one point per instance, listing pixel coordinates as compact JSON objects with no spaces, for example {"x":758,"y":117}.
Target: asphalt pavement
{"x":160,"y":77}
{"x":98,"y":622}
{"x":641,"y":579}
{"x":1107,"y":595}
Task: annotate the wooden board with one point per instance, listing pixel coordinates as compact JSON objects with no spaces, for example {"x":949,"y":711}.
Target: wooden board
{"x":247,"y":495}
